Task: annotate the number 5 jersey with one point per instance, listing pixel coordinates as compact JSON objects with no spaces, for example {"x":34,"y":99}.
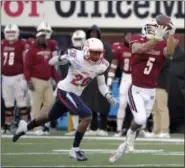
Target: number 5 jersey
{"x":81,"y":72}
{"x":146,"y":67}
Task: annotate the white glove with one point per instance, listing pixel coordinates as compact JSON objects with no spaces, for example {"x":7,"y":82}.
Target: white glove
{"x":110,"y":99}
{"x":160,"y":32}
{"x":172,"y":30}
{"x":58,"y":60}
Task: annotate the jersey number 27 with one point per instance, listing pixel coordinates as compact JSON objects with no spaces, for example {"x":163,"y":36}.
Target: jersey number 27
{"x":79,"y":80}
{"x":149,"y":65}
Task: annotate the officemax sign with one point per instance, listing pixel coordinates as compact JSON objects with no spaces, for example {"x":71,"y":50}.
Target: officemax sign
{"x":106,"y":14}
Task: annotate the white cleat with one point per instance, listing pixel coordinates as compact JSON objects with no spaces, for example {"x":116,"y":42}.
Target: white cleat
{"x":102,"y":133}
{"x":150,"y":135}
{"x":21,"y":130}
{"x":71,"y":133}
{"x":39,"y":132}
{"x":22,"y":127}
{"x":90,"y":133}
{"x":122,"y":149}
{"x":164,"y":135}
{"x":119,"y":134}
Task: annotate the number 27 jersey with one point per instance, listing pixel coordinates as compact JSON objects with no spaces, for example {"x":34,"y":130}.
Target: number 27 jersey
{"x":81,"y":72}
{"x":146,"y":67}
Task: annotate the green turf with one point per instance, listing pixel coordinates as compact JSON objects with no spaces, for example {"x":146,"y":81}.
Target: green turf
{"x":39,"y":152}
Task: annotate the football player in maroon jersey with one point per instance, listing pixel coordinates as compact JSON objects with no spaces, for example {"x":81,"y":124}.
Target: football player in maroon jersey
{"x":14,"y":87}
{"x":149,"y":52}
{"x":122,"y":58}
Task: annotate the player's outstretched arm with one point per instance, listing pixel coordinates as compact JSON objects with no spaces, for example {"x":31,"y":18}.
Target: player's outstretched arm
{"x":171,"y":43}
{"x":61,"y":60}
{"x":139,"y":47}
{"x":104,"y":90}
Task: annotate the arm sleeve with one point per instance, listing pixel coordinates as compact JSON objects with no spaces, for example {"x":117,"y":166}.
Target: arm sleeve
{"x":103,"y":88}
{"x":61,"y":60}
{"x":28,"y":65}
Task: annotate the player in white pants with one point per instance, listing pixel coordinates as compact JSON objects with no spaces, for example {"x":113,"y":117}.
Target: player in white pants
{"x":148,"y":57}
{"x":122,"y":57}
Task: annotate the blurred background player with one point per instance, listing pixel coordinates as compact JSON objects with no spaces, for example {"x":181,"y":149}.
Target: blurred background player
{"x":55,"y":52}
{"x":38,"y":74}
{"x":122,"y":58}
{"x":78,"y":40}
{"x":149,"y":53}
{"x":14,"y":87}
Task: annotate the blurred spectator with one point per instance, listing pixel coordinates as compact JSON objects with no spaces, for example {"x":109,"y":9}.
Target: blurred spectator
{"x":38,"y":72}
{"x":161,"y":118}
{"x":91,"y":95}
{"x":177,"y":90}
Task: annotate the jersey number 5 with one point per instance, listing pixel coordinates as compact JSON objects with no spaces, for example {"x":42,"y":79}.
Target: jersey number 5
{"x":8,"y":58}
{"x":149,"y":65}
{"x":80,"y":80}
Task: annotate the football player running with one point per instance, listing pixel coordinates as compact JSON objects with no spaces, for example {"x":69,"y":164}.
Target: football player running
{"x":78,"y":40}
{"x":148,"y":57}
{"x":84,"y":66}
{"x":14,"y":86}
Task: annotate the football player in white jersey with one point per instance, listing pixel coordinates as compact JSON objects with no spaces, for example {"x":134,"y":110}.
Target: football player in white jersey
{"x":84,"y":66}
{"x":78,"y":39}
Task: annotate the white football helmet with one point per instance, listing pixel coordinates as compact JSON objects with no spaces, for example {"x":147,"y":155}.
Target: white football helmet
{"x":78,"y":38}
{"x":44,"y":28}
{"x":95,"y":46}
{"x":11,"y":32}
{"x":149,"y":28}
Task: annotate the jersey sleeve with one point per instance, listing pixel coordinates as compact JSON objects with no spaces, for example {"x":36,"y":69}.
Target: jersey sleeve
{"x":104,"y":67}
{"x":54,"y":45}
{"x":116,"y":50}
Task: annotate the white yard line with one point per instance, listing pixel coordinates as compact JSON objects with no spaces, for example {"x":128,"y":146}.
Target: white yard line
{"x":99,"y":138}
{"x":109,"y":150}
{"x":110,"y":165}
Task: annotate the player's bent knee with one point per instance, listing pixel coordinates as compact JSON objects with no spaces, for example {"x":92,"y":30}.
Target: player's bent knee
{"x":140,"y":120}
{"x":86,"y":114}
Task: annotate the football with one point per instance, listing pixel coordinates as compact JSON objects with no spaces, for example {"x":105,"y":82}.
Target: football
{"x":163,"y":20}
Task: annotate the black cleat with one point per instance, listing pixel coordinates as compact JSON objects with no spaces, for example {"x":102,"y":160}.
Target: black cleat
{"x":17,"y":136}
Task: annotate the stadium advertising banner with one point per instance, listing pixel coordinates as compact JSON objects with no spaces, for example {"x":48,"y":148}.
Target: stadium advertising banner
{"x":106,"y":14}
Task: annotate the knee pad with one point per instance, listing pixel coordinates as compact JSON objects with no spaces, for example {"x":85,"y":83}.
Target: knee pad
{"x":140,"y":120}
{"x":23,"y":111}
{"x":9,"y":111}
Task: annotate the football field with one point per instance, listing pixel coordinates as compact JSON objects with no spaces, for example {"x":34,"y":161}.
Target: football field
{"x":52,"y":151}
